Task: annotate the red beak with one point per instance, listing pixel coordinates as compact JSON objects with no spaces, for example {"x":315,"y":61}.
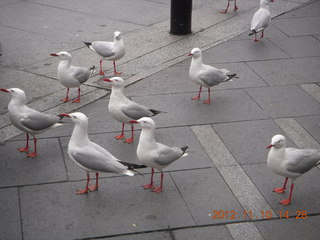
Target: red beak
{"x":269,"y":146}
{"x":4,"y":90}
{"x":190,"y":54}
{"x":53,"y":55}
{"x":107,"y":80}
{"x":133,"y":121}
{"x":65,"y":115}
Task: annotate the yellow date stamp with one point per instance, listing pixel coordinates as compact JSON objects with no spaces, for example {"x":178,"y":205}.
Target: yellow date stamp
{"x":250,"y":215}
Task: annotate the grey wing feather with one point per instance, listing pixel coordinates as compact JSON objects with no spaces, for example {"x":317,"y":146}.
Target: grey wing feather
{"x":104,"y":49}
{"x":92,"y":159}
{"x":212,"y":76}
{"x":37,"y":121}
{"x":302,"y":160}
{"x":82,"y":74}
{"x":102,"y":150}
{"x":136,"y":111}
{"x":167,"y":155}
{"x":260,"y":20}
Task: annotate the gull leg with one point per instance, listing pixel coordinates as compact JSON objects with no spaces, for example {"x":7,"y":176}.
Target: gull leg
{"x":281,"y":190}
{"x":235,"y":5}
{"x":130,"y":140}
{"x":286,"y":202}
{"x":262,"y":33}
{"x":198,"y":97}
{"x":159,"y":189}
{"x":122,"y":133}
{"x":93,"y":188}
{"x":225,"y":11}
{"x":255,"y":38}
{"x":78,"y":99}
{"x":34,"y":153}
{"x":101,"y":73}
{"x":114,"y":69}
{"x":83,"y":191}
{"x":25,"y":149}
{"x":67,"y":97}
{"x":208,"y":100}
{"x":150,"y":185}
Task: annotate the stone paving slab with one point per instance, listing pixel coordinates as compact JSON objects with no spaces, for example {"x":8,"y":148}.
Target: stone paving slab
{"x":311,"y":124}
{"x":244,"y":231}
{"x":101,"y":213}
{"x":305,"y":194}
{"x":212,"y":232}
{"x":288,"y":71}
{"x":143,"y":236}
{"x":310,"y":10}
{"x":284,"y":101}
{"x":17,"y":169}
{"x":10,"y":214}
{"x":215,"y":195}
{"x":247,"y":141}
{"x":293,"y":228}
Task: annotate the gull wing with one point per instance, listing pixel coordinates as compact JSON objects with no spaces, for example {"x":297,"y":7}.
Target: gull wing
{"x":37,"y":121}
{"x":81,"y":74}
{"x":104,"y":49}
{"x":212,"y":76}
{"x":260,"y":20}
{"x":166,"y":155}
{"x":136,"y":111}
{"x":301,"y":160}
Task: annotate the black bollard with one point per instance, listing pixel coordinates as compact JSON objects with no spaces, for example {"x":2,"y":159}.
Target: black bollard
{"x":181,"y":11}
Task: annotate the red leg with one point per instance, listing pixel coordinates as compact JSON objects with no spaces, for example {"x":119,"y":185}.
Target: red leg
{"x":262,"y":33}
{"x":255,"y":38}
{"x":34,"y":153}
{"x":25,"y":149}
{"x":225,"y":11}
{"x":114,"y":69}
{"x":286,"y":202}
{"x":67,"y":97}
{"x":83,"y":191}
{"x":235,"y":5}
{"x":122,"y":133}
{"x":78,"y":99}
{"x":198,"y":97}
{"x":159,"y":189}
{"x":93,"y":188}
{"x":101,"y":73}
{"x":150,"y":185}
{"x":281,"y":190}
{"x":130,"y":140}
{"x":208,"y":100}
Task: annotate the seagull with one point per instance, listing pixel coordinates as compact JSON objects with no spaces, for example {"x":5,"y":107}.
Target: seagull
{"x":153,"y":154}
{"x":234,"y":9}
{"x":71,"y":76}
{"x":290,"y":162}
{"x":28,"y":120}
{"x":123,"y":109}
{"x":260,"y":19}
{"x":111,"y":51}
{"x":90,"y":156}
{"x":205,"y":75}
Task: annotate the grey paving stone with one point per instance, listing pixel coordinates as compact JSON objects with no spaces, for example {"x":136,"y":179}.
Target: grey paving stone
{"x":284,"y":101}
{"x":295,"y":228}
{"x":313,"y":89}
{"x":226,"y":105}
{"x":17,"y":169}
{"x":299,"y":26}
{"x":300,"y":46}
{"x":212,"y":232}
{"x":179,"y":136}
{"x":305,"y":194}
{"x":247,"y":141}
{"x":244,"y":231}
{"x":119,"y":207}
{"x":310,"y":10}
{"x":5,"y":2}
{"x":317,"y":36}
{"x":288,"y":71}
{"x":143,"y":236}
{"x":244,"y":50}
{"x":311,"y":124}
{"x":10,"y":215}
{"x":205,"y":191}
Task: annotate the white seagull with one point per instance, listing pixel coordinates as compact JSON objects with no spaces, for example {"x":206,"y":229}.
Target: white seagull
{"x":234,"y":9}
{"x":290,"y":162}
{"x":205,"y":75}
{"x":28,"y":120}
{"x":123,"y":109}
{"x":111,"y":51}
{"x":90,"y":156}
{"x":153,"y":154}
{"x":261,"y":19}
{"x":71,"y":76}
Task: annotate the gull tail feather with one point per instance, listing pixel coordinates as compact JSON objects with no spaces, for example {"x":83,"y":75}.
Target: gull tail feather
{"x":155,"y":112}
{"x":184,"y":151}
{"x":230,"y":76}
{"x":253,"y":31}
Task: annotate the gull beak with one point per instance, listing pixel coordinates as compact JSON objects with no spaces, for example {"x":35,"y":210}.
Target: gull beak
{"x":133,"y":121}
{"x":269,"y":146}
{"x":53,"y":55}
{"x":4,"y":90}
{"x":64,"y":115}
{"x":190,"y":54}
{"x":107,"y":80}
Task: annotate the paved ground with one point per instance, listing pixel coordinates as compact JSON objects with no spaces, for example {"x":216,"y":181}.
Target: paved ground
{"x":278,"y":92}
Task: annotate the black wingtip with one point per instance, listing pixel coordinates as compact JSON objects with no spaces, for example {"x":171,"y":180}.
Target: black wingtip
{"x":252,"y":32}
{"x":185,"y":149}
{"x":60,"y":116}
{"x":132,"y":166}
{"x":88,"y":44}
{"x":155,"y":112}
{"x":230,"y":76}
{"x":93,"y":68}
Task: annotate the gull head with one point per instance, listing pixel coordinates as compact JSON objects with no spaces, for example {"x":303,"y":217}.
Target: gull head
{"x":145,"y":123}
{"x":115,"y":82}
{"x":195,"y":53}
{"x":16,"y":93}
{"x":117,"y":35}
{"x":277,"y":141}
{"x":76,"y":117}
{"x":62,"y":55}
